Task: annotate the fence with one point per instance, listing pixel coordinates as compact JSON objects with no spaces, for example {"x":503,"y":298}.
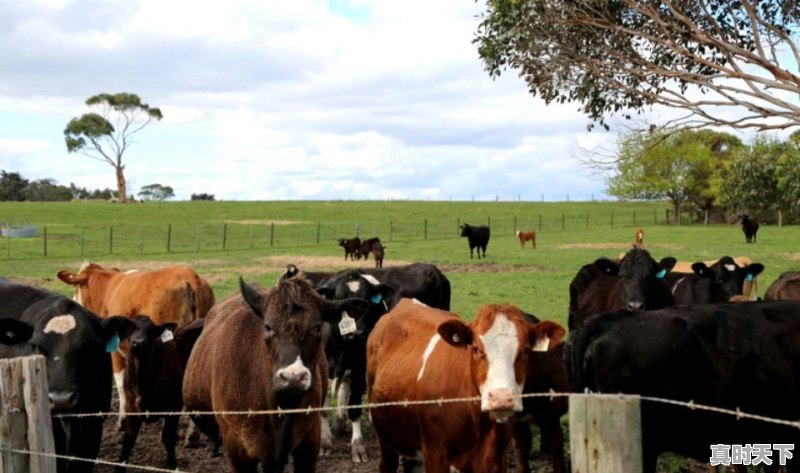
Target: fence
{"x":127,"y":239}
{"x":605,"y":429}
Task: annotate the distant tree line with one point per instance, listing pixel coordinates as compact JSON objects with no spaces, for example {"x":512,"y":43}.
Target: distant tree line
{"x":710,"y":172}
{"x":15,"y":188}
{"x":202,"y":196}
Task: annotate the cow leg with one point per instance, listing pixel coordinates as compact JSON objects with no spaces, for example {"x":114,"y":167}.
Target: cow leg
{"x":326,"y":436}
{"x":523,"y":440}
{"x":343,"y":394}
{"x":118,"y":366}
{"x":169,"y":437}
{"x":390,"y":460}
{"x":553,"y":442}
{"x":358,"y":386}
{"x":192,"y":436}
{"x":304,"y":457}
{"x":435,"y":461}
{"x":132,"y":426}
{"x":470,"y":253}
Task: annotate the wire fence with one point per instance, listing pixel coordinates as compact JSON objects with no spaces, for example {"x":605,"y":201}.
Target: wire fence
{"x":404,"y":403}
{"x":43,"y":241}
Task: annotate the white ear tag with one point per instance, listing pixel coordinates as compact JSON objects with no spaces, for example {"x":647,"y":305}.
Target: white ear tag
{"x":542,"y":344}
{"x":347,"y":325}
{"x":166,"y":336}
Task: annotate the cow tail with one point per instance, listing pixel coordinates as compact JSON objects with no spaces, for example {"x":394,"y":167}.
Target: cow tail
{"x":191,"y":300}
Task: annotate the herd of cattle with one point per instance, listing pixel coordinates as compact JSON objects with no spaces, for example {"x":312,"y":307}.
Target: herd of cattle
{"x":683,"y":331}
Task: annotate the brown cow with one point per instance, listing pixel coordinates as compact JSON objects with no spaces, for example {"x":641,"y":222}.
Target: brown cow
{"x":526,"y":236}
{"x":262,"y":350}
{"x":174,"y":294}
{"x":368,"y":245}
{"x":787,"y":286}
{"x":638,"y":238}
{"x":379,"y":251}
{"x":352,"y":247}
{"x":419,"y":353}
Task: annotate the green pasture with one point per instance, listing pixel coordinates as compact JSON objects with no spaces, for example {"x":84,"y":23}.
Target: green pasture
{"x":536,"y":280}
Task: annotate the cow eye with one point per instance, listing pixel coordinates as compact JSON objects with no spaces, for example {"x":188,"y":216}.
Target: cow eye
{"x":477,"y":352}
{"x":268,"y":328}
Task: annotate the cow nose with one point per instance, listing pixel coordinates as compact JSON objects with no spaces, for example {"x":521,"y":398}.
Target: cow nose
{"x":501,"y":400}
{"x":63,"y":400}
{"x":635,"y":305}
{"x":292,"y":378}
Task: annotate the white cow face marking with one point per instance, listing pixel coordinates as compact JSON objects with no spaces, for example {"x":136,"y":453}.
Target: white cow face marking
{"x":501,"y":343}
{"x":354,"y":286}
{"x":428,"y":350}
{"x":60,"y":324}
{"x":730,"y":267}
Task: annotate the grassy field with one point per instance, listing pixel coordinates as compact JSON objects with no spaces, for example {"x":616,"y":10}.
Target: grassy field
{"x":536,"y":280}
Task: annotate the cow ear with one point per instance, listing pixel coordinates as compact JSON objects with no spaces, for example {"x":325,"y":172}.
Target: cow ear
{"x":72,"y":278}
{"x":607,"y":266}
{"x":251,"y":297}
{"x":119,"y":326}
{"x":701,"y":269}
{"x":456,"y":333}
{"x":753,"y":269}
{"x":332,"y":310}
{"x":13,"y":331}
{"x":385,"y":292}
{"x":667,"y":263}
{"x":326,"y":292}
{"x":171,"y":326}
{"x":544,"y":335}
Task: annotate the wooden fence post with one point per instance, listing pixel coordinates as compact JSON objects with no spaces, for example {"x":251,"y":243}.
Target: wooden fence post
{"x":25,"y":422}
{"x":271,"y":234}
{"x":390,"y":229}
{"x":426,"y":229}
{"x":540,"y":223}
{"x":45,"y":241}
{"x":111,"y":240}
{"x":169,"y":238}
{"x":605,"y":434}
{"x":224,"y":235}
{"x":83,"y":235}
{"x":319,"y":225}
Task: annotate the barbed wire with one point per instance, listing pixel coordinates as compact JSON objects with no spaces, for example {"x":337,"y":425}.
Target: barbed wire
{"x":738,"y":413}
{"x":96,"y":461}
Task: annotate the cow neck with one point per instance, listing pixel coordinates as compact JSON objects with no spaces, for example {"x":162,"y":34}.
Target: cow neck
{"x":98,"y":286}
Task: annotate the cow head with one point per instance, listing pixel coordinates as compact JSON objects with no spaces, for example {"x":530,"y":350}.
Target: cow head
{"x":641,"y":284}
{"x":465,"y":229}
{"x":80,"y":281}
{"x":499,"y":340}
{"x":75,"y":344}
{"x":727,"y":277}
{"x":292,"y":315}
{"x":360,"y":286}
{"x":148,"y":335}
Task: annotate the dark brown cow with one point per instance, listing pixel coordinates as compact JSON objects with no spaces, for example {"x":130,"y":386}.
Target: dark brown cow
{"x":262,"y":350}
{"x":352,"y":247}
{"x":419,"y":353}
{"x":368,"y":245}
{"x":526,"y":236}
{"x":378,"y":250}
{"x":787,"y":286}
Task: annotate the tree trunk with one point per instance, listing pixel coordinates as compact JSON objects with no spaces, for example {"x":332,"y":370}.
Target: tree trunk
{"x":676,"y":212}
{"x":121,"y":185}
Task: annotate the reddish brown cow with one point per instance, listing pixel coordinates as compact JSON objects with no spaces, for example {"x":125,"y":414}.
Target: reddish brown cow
{"x":175,"y":294}
{"x":526,"y":236}
{"x":418,"y":353}
{"x":638,"y":238}
{"x":379,"y":251}
{"x":262,"y":350}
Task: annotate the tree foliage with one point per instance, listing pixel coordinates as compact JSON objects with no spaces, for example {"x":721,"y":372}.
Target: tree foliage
{"x":156,"y":192}
{"x":106,"y":133}
{"x":12,"y":186}
{"x":202,"y":196}
{"x":705,"y":57}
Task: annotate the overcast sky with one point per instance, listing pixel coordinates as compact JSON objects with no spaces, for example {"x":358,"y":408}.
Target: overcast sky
{"x":300,"y":99}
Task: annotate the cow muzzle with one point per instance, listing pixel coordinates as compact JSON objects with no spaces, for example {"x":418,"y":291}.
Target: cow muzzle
{"x":292,"y":378}
{"x":62,"y":401}
{"x":500,"y":404}
{"x":635,"y":305}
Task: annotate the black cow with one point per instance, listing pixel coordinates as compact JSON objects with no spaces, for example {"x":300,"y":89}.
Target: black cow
{"x":735,"y":356}
{"x":367,"y":246}
{"x":314,"y":277}
{"x":636,"y":282}
{"x":546,"y":372}
{"x":346,"y":349}
{"x":707,"y":285}
{"x":749,"y":228}
{"x":352,"y":247}
{"x":75,"y":344}
{"x":478,"y":237}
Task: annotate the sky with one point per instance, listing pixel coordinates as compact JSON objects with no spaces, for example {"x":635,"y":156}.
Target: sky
{"x":269,"y":100}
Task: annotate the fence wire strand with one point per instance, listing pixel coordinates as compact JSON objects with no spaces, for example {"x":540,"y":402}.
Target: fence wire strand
{"x":96,"y":461}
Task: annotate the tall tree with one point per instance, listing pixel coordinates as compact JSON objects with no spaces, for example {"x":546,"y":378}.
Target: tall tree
{"x":675,"y":167}
{"x":709,"y":58}
{"x":106,"y":133}
{"x":12,"y":186}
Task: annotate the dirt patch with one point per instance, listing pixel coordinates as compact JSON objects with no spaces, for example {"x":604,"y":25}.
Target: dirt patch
{"x":267,"y":222}
{"x":793,"y":256}
{"x":616,"y":246}
{"x":492,"y":268}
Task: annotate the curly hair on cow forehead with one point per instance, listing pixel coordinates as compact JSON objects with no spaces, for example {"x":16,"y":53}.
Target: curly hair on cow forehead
{"x":291,"y":292}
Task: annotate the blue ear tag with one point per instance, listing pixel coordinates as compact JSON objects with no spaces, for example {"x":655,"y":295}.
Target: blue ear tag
{"x":376,"y":299}
{"x":749,"y":278}
{"x":661,"y":274}
{"x":113,"y":344}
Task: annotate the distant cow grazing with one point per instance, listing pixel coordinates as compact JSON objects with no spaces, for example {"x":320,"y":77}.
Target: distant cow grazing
{"x":75,"y":344}
{"x":368,"y":246}
{"x":262,"y":350}
{"x":526,"y":236}
{"x":787,"y":286}
{"x":734,"y":356}
{"x":174,"y":294}
{"x":749,"y":228}
{"x":636,"y":283}
{"x":379,"y":251}
{"x":419,"y":353}
{"x":153,"y":382}
{"x":352,"y":247}
{"x":638,"y":238}
{"x":478,"y":237}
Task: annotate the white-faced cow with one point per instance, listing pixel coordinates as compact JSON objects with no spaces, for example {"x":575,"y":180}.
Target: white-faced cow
{"x":735,"y":356}
{"x":417,"y":353}
{"x":477,"y":236}
{"x":262,"y":350}
{"x":75,"y":344}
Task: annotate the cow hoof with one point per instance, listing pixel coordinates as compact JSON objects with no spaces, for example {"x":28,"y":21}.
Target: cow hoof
{"x":192,"y":438}
{"x":339,"y":427}
{"x":359,"y":451}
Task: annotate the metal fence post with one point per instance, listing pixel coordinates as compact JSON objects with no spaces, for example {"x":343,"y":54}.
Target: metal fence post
{"x":224,"y":235}
{"x":319,"y":225}
{"x":169,"y":238}
{"x":197,"y":240}
{"x":271,"y":233}
{"x":45,"y":241}
{"x":390,"y":229}
{"x":83,"y":232}
{"x":425,"y":232}
{"x":111,"y":240}
{"x":141,"y":238}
